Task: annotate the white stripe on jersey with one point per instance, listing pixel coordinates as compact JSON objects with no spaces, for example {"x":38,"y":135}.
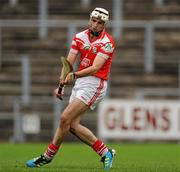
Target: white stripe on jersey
{"x":103,"y":55}
{"x":74,"y":43}
{"x":73,"y":51}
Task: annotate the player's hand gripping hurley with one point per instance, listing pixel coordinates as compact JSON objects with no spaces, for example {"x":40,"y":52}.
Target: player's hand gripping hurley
{"x":66,"y":68}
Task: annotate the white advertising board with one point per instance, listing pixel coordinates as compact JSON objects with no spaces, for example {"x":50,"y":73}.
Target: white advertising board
{"x":139,"y":120}
{"x":31,"y":124}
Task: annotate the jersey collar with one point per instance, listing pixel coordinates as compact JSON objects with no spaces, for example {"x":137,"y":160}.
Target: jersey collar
{"x":99,"y":37}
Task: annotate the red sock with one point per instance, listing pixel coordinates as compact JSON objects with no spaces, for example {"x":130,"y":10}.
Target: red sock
{"x":100,"y":148}
{"x":51,"y":151}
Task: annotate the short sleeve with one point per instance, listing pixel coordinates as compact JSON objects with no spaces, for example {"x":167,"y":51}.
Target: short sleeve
{"x":74,"y":47}
{"x":106,"y":50}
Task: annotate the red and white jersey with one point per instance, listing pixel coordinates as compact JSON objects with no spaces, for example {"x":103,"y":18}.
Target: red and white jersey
{"x":102,"y":46}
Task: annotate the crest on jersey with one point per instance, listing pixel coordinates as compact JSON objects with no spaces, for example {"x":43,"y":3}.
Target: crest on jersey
{"x":94,"y":50}
{"x":86,"y":46}
{"x":108,"y":47}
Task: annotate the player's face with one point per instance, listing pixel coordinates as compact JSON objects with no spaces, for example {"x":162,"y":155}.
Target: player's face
{"x":96,"y":24}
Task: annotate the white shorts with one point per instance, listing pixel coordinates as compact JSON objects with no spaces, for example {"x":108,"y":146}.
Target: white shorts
{"x":91,"y":90}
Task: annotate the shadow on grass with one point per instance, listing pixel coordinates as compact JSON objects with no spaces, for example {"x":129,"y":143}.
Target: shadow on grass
{"x":21,"y":167}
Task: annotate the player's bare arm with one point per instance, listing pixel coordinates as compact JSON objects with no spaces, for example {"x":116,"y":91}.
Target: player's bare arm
{"x":71,"y":58}
{"x":97,"y":64}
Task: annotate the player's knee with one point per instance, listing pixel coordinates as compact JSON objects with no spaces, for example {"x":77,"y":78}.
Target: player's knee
{"x":72,"y":130}
{"x":73,"y":127}
{"x":64,"y":122}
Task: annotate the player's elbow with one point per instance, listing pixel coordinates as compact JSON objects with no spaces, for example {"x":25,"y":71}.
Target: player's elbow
{"x":95,"y":69}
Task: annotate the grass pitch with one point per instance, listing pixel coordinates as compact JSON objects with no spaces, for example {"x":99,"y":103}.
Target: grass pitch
{"x":80,"y":158}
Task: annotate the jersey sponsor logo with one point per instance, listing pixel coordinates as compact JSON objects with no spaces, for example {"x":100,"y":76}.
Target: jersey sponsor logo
{"x":85,"y":62}
{"x":108,"y":47}
{"x":86,"y":46}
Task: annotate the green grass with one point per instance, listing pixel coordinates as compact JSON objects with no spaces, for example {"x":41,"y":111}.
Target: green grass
{"x":80,"y":158}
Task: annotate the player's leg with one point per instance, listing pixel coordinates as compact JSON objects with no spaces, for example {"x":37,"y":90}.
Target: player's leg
{"x":71,"y":112}
{"x":81,"y":132}
{"x":91,"y":96}
{"x":85,"y":135}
